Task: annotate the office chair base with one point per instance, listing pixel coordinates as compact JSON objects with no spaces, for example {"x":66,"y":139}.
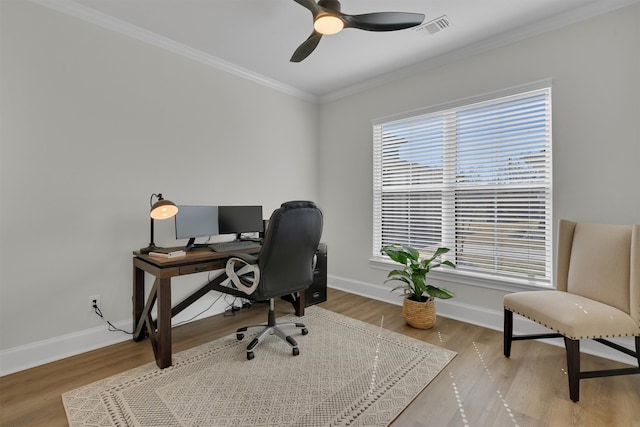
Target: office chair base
{"x":271,"y":328}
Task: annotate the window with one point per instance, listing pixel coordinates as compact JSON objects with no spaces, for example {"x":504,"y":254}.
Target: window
{"x":473,"y":176}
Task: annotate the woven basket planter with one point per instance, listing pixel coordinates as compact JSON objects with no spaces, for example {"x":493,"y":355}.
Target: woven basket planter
{"x":421,"y":315}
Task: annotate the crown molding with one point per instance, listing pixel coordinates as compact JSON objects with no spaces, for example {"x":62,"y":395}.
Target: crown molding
{"x":561,"y":20}
{"x":76,"y":10}
{"x":590,"y":10}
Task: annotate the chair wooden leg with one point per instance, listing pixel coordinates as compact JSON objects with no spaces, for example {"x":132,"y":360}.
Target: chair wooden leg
{"x":573,"y":367}
{"x":508,"y":332}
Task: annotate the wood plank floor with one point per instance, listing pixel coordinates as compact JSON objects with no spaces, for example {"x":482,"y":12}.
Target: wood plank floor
{"x":480,"y":387}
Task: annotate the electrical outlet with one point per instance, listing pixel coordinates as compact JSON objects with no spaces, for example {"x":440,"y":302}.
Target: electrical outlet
{"x":93,"y":299}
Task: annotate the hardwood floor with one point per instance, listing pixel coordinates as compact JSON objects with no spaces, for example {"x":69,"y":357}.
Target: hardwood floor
{"x":480,"y":387}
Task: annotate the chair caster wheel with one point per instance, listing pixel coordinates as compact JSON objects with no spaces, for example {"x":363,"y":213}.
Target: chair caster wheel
{"x":239,"y":336}
{"x":250,"y":355}
{"x":305,"y":331}
{"x":296,"y":351}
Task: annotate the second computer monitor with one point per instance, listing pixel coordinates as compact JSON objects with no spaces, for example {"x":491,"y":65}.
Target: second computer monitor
{"x":239,"y":219}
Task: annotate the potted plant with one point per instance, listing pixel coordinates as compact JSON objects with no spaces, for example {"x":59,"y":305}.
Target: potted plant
{"x":418,"y":307}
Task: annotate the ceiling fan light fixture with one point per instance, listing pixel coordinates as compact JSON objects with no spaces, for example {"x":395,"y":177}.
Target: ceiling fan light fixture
{"x":328,"y":19}
{"x":328,"y":24}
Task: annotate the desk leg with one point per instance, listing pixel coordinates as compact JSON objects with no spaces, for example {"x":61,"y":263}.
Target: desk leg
{"x":138,"y":302}
{"x":163,"y":350}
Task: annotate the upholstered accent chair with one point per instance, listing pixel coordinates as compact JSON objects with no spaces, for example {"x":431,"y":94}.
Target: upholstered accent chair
{"x":597,"y":296}
{"x":284,"y":266}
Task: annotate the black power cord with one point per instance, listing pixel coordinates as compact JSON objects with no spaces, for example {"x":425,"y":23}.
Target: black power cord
{"x":199,"y":314}
{"x":111,"y":327}
{"x":232,"y":308}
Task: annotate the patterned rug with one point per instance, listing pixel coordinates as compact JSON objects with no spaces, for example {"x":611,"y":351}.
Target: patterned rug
{"x":348,"y":373}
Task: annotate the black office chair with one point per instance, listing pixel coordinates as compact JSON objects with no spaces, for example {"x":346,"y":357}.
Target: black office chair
{"x":283,"y":266}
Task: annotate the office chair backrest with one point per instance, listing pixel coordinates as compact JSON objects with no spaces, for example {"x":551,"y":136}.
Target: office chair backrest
{"x":289,"y":244}
{"x":601,"y":262}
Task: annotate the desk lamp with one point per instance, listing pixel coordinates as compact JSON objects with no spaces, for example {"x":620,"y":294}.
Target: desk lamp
{"x":161,"y":209}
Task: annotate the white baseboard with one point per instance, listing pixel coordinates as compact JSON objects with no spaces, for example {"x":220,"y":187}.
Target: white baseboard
{"x":481,"y":316}
{"x":39,"y":353}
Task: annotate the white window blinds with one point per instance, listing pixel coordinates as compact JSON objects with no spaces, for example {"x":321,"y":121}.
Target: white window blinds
{"x":475,"y":178}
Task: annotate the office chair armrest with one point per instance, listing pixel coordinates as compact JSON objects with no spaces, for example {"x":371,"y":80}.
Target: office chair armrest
{"x":247,"y":276}
{"x":247,"y":258}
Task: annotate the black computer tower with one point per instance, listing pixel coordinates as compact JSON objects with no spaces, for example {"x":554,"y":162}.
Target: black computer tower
{"x":317,"y":292}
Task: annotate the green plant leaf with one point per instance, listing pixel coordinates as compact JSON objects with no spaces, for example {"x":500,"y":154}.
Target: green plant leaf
{"x":414,"y":255}
{"x":403,"y":287}
{"x":396,"y":253}
{"x":399,"y":278}
{"x":439,"y":292}
{"x":449,"y":263}
{"x":439,"y":252}
{"x":414,"y":274}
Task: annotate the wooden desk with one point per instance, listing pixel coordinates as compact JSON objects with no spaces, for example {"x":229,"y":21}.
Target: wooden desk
{"x":196,"y":261}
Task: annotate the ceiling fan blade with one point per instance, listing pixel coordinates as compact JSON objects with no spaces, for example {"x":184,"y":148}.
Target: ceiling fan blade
{"x":309,"y":4}
{"x":383,"y":21}
{"x":306,"y":47}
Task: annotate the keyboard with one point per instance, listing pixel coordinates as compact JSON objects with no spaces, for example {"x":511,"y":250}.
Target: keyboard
{"x":235,"y":245}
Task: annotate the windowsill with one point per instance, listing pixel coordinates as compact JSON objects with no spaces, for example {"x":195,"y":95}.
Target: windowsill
{"x":479,"y":280}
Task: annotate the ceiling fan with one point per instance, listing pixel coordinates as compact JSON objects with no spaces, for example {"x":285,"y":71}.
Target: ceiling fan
{"x":328,"y":19}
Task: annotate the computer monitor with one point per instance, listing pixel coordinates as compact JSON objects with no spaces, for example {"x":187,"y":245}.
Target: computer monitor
{"x":239,"y":219}
{"x":196,"y":221}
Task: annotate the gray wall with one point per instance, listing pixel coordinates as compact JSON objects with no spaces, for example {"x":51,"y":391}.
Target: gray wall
{"x":93,"y":123}
{"x":594,"y":66}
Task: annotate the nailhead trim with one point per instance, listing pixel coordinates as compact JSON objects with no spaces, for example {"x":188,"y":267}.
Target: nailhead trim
{"x":573,"y":338}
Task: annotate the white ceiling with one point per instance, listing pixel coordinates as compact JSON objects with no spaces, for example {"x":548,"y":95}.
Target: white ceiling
{"x":256,"y":38}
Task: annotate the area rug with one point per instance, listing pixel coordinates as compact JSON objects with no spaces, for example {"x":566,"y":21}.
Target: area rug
{"x":348,"y":373}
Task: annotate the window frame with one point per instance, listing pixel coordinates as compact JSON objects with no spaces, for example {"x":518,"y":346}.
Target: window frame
{"x":493,"y":280}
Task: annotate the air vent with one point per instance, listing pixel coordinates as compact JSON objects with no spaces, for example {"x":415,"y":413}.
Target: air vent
{"x":434,"y":26}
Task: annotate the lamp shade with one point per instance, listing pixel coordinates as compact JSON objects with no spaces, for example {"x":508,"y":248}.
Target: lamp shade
{"x":163,"y":209}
